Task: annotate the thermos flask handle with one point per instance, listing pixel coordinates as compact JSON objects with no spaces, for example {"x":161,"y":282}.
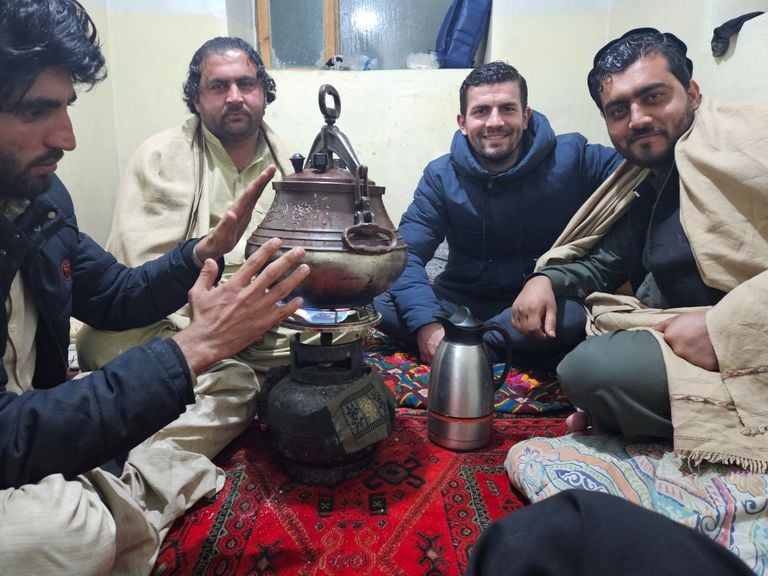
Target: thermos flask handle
{"x":499,"y":382}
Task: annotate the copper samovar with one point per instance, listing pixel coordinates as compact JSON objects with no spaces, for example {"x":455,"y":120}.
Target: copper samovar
{"x":333,"y":210}
{"x":328,"y":410}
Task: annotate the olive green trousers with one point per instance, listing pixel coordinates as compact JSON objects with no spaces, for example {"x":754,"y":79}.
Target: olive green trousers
{"x":619,"y":380}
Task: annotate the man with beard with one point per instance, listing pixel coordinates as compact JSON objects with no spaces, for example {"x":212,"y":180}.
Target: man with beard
{"x":197,"y":169}
{"x":500,"y":199}
{"x":685,"y":358}
{"x":179,"y":182}
{"x":94,"y":471}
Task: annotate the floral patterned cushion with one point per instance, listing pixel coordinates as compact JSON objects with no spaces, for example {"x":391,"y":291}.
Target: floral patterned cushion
{"x":723,"y":502}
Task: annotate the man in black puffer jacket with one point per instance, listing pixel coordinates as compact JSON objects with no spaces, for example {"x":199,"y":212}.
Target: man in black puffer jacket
{"x":61,"y":511}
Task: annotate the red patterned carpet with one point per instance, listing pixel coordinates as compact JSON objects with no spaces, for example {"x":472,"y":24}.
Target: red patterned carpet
{"x":416,"y":511}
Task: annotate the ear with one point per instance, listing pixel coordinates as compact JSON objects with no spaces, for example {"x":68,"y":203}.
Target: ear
{"x":461,"y":121}
{"x":527,"y":113}
{"x":694,"y":94}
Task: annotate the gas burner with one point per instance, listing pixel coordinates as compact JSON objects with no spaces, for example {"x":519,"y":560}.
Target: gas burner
{"x":333,"y":319}
{"x":328,"y":410}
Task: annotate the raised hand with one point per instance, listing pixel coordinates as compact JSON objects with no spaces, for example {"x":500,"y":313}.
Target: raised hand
{"x":227,"y":318}
{"x":225,"y":236}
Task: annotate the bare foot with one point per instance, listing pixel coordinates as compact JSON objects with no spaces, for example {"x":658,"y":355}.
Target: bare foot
{"x":578,"y":424}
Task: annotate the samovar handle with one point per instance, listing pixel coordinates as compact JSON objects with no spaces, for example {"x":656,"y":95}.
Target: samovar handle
{"x":330,"y":137}
{"x":369,"y":230}
{"x":331,"y":114}
{"x":362,"y":199}
{"x":363,"y":222}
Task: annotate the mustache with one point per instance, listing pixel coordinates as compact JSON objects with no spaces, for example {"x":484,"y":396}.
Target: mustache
{"x":637,"y":134}
{"x":236,"y":108}
{"x":50,"y":157}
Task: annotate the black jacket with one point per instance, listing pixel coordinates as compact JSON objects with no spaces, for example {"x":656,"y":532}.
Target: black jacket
{"x":70,"y":426}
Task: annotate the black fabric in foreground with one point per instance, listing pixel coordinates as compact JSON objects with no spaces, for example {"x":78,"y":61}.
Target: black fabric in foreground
{"x":577,"y":532}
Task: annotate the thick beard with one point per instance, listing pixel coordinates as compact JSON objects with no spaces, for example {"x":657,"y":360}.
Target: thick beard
{"x":14,"y":183}
{"x":225,"y":135}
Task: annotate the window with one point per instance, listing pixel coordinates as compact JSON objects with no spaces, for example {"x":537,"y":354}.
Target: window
{"x":376,"y":34}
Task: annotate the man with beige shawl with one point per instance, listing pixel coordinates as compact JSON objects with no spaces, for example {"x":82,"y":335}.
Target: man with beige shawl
{"x":685,"y":222}
{"x":179,"y":182}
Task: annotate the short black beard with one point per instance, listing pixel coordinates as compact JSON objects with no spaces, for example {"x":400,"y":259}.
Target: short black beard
{"x":15,"y":184}
{"x":680,"y":128}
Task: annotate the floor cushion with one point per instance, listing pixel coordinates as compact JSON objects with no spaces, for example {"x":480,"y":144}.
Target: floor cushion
{"x":725,"y":503}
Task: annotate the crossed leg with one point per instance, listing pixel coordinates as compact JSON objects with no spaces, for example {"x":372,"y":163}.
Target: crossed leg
{"x":619,"y":381}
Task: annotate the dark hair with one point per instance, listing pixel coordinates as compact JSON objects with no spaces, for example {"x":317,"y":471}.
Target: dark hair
{"x":494,"y":72}
{"x":219,"y":45}
{"x":638,"y":43}
{"x":38,"y":34}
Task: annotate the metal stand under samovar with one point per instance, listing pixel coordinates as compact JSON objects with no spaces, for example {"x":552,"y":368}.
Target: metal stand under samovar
{"x":327,"y":411}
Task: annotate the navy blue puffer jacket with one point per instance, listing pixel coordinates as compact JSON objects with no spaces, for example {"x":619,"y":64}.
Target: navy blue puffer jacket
{"x":496,"y":225}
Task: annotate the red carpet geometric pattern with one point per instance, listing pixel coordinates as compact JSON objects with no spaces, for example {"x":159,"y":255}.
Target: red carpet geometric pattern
{"x":416,"y":511}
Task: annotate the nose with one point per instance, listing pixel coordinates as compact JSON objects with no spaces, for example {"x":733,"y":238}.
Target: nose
{"x":638,"y":117}
{"x":494,"y":118}
{"x":234,"y":94}
{"x":61,"y":136}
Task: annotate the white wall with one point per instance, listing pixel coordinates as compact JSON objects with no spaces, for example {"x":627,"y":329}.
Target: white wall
{"x":396,"y":120}
{"x":148,"y":46}
{"x":553,"y":42}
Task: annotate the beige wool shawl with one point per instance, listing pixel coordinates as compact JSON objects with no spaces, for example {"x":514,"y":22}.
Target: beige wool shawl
{"x":723,"y":165}
{"x":163,"y":197}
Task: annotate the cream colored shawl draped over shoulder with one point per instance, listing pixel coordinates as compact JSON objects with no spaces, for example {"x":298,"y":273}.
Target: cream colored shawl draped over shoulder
{"x":163,"y":198}
{"x":723,"y":165}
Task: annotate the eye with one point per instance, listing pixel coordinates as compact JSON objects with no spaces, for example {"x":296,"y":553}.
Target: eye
{"x":617,"y":112}
{"x":247,"y":84}
{"x":653,"y":97}
{"x":33,"y":114}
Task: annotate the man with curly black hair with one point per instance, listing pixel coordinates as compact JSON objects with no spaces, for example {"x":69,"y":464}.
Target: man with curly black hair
{"x":93,"y":471}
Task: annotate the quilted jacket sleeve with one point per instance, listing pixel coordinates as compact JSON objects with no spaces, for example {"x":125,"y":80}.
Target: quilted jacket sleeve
{"x":110,"y":296}
{"x":423,"y":227}
{"x":85,"y":422}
